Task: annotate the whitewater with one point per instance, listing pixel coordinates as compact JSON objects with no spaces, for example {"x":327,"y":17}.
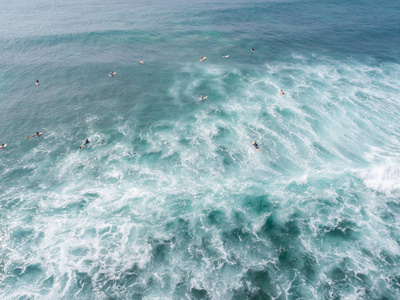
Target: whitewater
{"x":170,"y":200}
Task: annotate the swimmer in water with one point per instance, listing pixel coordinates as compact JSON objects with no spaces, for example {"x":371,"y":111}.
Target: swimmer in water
{"x":253,"y":50}
{"x":36,"y":134}
{"x":84,"y":144}
{"x":37,"y":82}
{"x":141,"y":61}
{"x":256,"y":146}
{"x":282,"y":92}
{"x":2,"y":146}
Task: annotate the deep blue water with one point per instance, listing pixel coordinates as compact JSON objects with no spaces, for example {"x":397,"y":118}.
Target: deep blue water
{"x":170,"y":200}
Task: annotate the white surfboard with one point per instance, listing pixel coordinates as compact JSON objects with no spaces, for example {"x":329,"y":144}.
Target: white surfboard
{"x":205,"y":97}
{"x":203,"y":58}
{"x":225,"y":56}
{"x":112,"y":74}
{"x":3,"y":146}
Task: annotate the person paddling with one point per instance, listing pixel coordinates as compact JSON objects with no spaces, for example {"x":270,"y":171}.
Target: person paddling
{"x":36,"y":134}
{"x":282,"y":92}
{"x":256,"y":146}
{"x":84,"y":144}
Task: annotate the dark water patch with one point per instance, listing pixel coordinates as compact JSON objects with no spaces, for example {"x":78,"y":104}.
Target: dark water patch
{"x":18,"y":173}
{"x":72,"y":208}
{"x":286,"y":113}
{"x":78,"y":251}
{"x":199,"y":293}
{"x":20,"y":234}
{"x":317,"y":125}
{"x":395,"y":281}
{"x":236,"y":235}
{"x":227,"y":161}
{"x":180,"y":290}
{"x":297,"y":289}
{"x":182,"y":229}
{"x":311,"y":112}
{"x":124,"y":211}
{"x":91,"y":196}
{"x":264,"y":280}
{"x":8,"y":204}
{"x":365,"y":279}
{"x":28,"y":273}
{"x":259,"y":205}
{"x":310,"y":266}
{"x":223,"y":132}
{"x":161,"y":250}
{"x":289,"y":257}
{"x":216,"y":217}
{"x":259,"y":294}
{"x":388,"y":258}
{"x":150,"y":158}
{"x":344,"y":230}
{"x":83,"y":282}
{"x":48,"y":282}
{"x":321,"y":149}
{"x":185,"y":142}
{"x":280,"y":233}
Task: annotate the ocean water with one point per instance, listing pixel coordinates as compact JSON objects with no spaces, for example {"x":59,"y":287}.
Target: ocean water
{"x":170,"y":200}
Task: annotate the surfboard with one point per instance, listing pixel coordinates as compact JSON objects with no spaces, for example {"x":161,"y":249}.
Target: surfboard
{"x":203,"y":98}
{"x":225,"y":56}
{"x":4,"y":146}
{"x":203,"y":58}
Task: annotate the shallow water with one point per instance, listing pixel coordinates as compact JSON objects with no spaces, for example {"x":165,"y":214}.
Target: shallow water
{"x":170,"y":200}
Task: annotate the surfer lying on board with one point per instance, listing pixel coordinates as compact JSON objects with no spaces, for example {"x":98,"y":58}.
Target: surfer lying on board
{"x":36,"y":134}
{"x":282,"y":92}
{"x":256,"y":146}
{"x":2,"y":146}
{"x":141,"y":61}
{"x":253,"y":50}
{"x":84,"y":144}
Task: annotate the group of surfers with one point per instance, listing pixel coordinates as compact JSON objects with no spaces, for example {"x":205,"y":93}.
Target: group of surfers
{"x":112,"y":74}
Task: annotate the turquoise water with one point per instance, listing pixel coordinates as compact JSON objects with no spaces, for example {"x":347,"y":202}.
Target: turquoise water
{"x":170,"y":200}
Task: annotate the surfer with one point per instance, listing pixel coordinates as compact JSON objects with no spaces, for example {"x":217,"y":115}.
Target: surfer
{"x":253,"y":50}
{"x":282,"y":92}
{"x":2,"y":146}
{"x":202,"y":96}
{"x":37,"y":82}
{"x":84,"y":144}
{"x":112,"y":73}
{"x":141,"y":61}
{"x":36,"y":134}
{"x":202,"y":58}
{"x":256,"y":146}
